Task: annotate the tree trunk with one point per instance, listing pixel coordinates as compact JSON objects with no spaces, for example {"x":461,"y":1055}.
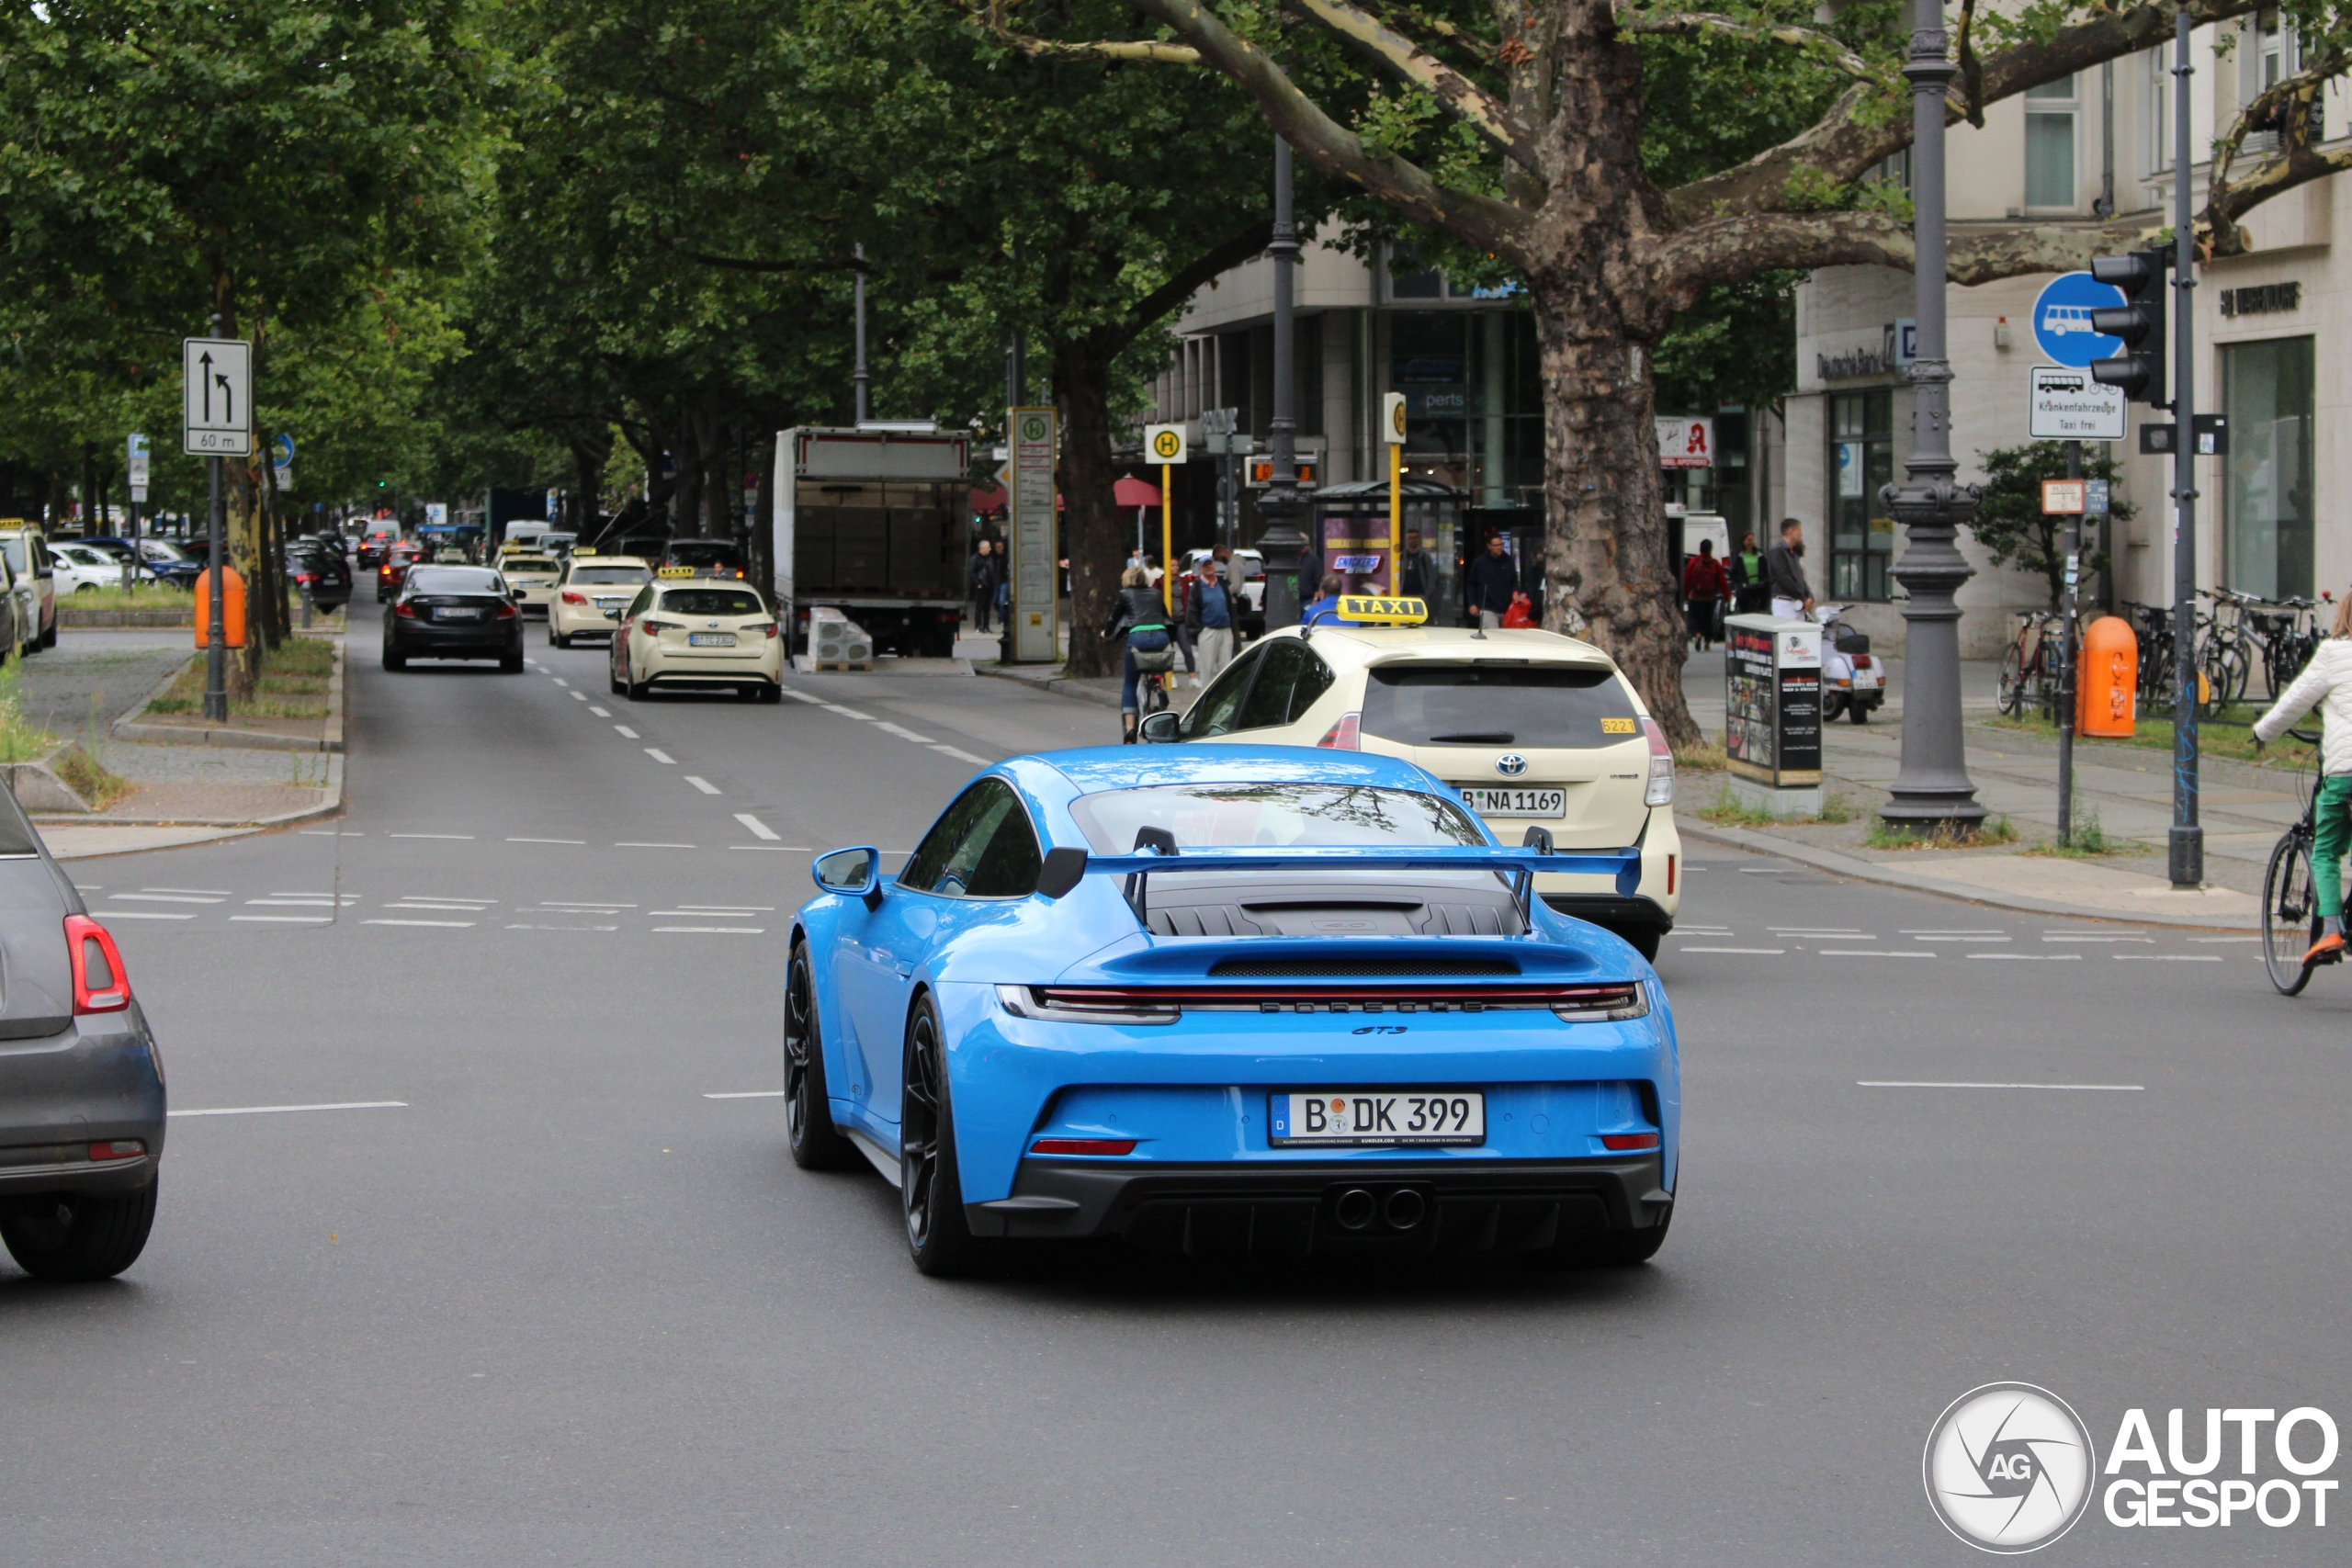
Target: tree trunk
{"x":715,"y":438}
{"x":762,"y":553}
{"x":592,"y":448}
{"x":1090,"y":531}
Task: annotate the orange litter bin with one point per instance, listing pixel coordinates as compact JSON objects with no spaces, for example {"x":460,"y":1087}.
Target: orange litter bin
{"x":232,"y":608}
{"x":2106,"y":697}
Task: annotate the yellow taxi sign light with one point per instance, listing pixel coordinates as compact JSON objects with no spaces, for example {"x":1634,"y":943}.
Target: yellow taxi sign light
{"x":676,"y":571}
{"x":1371,"y":610}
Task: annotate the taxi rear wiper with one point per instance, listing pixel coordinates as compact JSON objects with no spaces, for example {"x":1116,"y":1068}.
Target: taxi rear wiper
{"x":1480,"y":736}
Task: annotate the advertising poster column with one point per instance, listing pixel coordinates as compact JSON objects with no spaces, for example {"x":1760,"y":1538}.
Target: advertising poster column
{"x":1033,"y":534}
{"x":1772,"y":714}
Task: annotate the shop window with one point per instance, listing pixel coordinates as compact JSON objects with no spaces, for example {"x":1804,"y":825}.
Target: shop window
{"x":2050,"y":144}
{"x":2269,"y":508}
{"x":1861,"y":462}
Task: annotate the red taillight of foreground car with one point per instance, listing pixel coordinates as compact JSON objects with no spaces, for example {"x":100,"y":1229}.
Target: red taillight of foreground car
{"x":768,"y":626}
{"x":507,"y":612}
{"x":1083,"y":1146}
{"x":404,"y":610}
{"x":118,"y":1148}
{"x":1342,"y":736}
{"x":1628,"y":1143}
{"x":572,"y":598}
{"x":100,"y":983}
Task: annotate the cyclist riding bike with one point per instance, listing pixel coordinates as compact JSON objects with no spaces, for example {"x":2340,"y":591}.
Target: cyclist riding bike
{"x":2326,"y":684}
{"x":1138,"y":617}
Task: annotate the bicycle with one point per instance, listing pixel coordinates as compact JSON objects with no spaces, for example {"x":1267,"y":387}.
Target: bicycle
{"x":2030,"y":664}
{"x":1152,"y":688}
{"x":2290,"y":900}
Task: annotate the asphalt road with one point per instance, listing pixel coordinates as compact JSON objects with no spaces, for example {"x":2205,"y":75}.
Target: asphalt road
{"x":559,"y":1304}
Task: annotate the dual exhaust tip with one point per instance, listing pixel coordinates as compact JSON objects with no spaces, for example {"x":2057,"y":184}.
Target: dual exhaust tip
{"x":1358,"y":1209}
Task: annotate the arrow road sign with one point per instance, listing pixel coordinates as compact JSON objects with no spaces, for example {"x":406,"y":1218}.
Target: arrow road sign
{"x":218,"y":418}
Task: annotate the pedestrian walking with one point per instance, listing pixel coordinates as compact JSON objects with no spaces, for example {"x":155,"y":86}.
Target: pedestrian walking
{"x":1140,"y":622}
{"x":1187,"y":587}
{"x":1208,"y":610}
{"x":2326,"y":684}
{"x":1416,"y":568}
{"x":1705,"y":586}
{"x":1749,"y":594}
{"x":1784,"y":574}
{"x":984,"y":575}
{"x":1488,"y":586}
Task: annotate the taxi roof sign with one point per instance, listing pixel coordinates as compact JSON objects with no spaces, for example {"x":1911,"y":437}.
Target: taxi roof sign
{"x":1369,"y":610}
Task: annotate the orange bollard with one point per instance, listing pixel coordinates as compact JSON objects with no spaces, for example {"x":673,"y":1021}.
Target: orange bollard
{"x":2106,"y":695}
{"x":232,"y":608}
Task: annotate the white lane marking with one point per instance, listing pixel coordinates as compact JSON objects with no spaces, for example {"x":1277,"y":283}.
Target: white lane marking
{"x":804,"y":696}
{"x":584,"y":904}
{"x":290,"y":919}
{"x":2094,"y":936}
{"x":903,"y":732}
{"x":1775,"y":951}
{"x":2225,"y":939}
{"x":757,"y":828}
{"x":1892,"y":1083}
{"x":276,"y":1109}
{"x":774,"y":849}
{"x":210,"y":891}
{"x":452,"y":924}
{"x":559,"y":679}
{"x":467,"y":837}
{"x":582,"y":696}
{"x":661,"y":756}
{"x":728,"y":908}
{"x":600,"y":713}
{"x":444,"y":909}
{"x":1820,"y":931}
{"x":962,"y":756}
{"x":106,"y":915}
{"x":748,"y":1094}
{"x":1928,"y":936}
{"x":2166,"y":957}
{"x":169,"y":897}
{"x":627,"y":731}
{"x":448,"y":898}
{"x":1944,"y":931}
{"x":848,"y":713}
{"x":1872,"y":952}
{"x":300,"y":901}
{"x":546,"y":841}
{"x":703,"y":785}
{"x":304,"y":893}
{"x":715,"y":930}
{"x":2032,"y":957}
{"x":526,"y":926}
{"x":626,"y":844}
{"x":326,"y":833}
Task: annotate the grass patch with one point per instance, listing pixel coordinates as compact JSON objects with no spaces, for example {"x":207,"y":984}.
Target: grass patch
{"x":293,"y":685}
{"x":2223,"y":735}
{"x":146,"y":596}
{"x":20,"y":739}
{"x":1707,"y":757}
{"x":1835,"y":808}
{"x":1992,"y":831}
{"x":89,"y":779}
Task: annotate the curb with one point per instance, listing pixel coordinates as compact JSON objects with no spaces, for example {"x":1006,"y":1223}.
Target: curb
{"x":1917,"y":882}
{"x":1050,"y":679}
{"x":128,"y":728}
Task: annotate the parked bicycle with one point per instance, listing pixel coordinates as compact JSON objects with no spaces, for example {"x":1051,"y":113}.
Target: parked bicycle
{"x":2290,"y":900}
{"x":2031,"y":665}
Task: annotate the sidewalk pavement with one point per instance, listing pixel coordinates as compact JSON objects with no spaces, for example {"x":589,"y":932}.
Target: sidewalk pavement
{"x":180,"y":794}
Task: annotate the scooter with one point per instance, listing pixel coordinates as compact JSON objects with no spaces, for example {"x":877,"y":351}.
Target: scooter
{"x":1853,"y":680}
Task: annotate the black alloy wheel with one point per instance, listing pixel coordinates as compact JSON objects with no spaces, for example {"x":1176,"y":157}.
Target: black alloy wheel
{"x":930,"y":1192}
{"x":72,"y":1238}
{"x":393,"y":660}
{"x":2289,"y":912}
{"x":815,"y":1141}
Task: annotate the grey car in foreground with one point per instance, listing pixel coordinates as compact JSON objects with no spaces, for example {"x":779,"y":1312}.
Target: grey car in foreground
{"x":81,"y":1084}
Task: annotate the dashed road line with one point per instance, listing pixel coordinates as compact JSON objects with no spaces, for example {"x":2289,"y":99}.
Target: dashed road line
{"x":578,"y":841}
{"x":714,"y":931}
{"x":210,"y":891}
{"x":703,"y":785}
{"x":661,"y":756}
{"x":600,"y":713}
{"x":2109,"y":1087}
{"x":458,"y":837}
{"x":627,"y":732}
{"x":290,"y":919}
{"x":106,"y":915}
{"x":962,"y":755}
{"x":632,"y":845}
{"x":1872,"y":952}
{"x":2032,"y":957}
{"x":453,"y":925}
{"x":278,"y":1109}
{"x":1774,"y":952}
{"x":903,"y":732}
{"x":848,"y":713}
{"x":2166,"y":957}
{"x":757,"y":828}
{"x":748,"y":1094}
{"x":170,"y":897}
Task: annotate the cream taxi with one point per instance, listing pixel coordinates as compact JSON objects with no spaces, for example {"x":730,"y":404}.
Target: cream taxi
{"x":1534,"y":729}
{"x":590,"y":595}
{"x":532,"y":576}
{"x":698,"y":633}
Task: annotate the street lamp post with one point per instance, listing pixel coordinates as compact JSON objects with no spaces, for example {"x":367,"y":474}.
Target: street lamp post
{"x":1933,"y":789}
{"x":2185,"y":844}
{"x":1281,"y":503}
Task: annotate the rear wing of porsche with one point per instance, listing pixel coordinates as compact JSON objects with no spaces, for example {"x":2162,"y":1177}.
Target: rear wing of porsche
{"x":1156,"y":855}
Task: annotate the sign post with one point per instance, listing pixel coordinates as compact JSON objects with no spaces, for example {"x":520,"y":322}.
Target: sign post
{"x":2068,"y":498}
{"x":1392,"y":433}
{"x":1034,"y":634}
{"x":1166,"y":444}
{"x":216,"y":421}
{"x":136,"y":470}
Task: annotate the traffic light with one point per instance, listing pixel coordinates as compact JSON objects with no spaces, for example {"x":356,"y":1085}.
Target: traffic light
{"x":2138,"y":321}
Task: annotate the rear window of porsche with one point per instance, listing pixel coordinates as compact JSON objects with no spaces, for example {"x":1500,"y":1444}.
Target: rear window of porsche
{"x":1270,"y":814}
{"x":1561,"y":706}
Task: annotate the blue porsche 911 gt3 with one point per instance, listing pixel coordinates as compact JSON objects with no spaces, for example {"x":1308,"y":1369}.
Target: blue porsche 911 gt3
{"x":1231,"y":1000}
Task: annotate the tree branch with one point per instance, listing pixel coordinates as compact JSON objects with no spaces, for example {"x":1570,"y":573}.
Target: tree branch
{"x":1189,"y":280}
{"x":1332,"y":147}
{"x":1690,"y":24}
{"x":2285,"y":107}
{"x":991,"y":16}
{"x":1728,"y":249}
{"x":1408,"y":61}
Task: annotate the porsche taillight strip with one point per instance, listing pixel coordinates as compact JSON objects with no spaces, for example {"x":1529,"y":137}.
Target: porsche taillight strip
{"x":1165,"y":1003}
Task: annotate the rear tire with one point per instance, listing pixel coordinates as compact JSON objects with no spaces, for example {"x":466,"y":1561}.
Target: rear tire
{"x":2290,"y":913}
{"x":73,"y":1239}
{"x":555,"y":637}
{"x":637,"y":690}
{"x":931,"y":1194}
{"x":1857,"y":712}
{"x":511,"y":663}
{"x":2010,"y":693}
{"x":815,"y":1143}
{"x":771,"y":693}
{"x":395,"y":660}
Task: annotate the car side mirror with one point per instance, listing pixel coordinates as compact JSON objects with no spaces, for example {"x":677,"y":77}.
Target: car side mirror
{"x":854,"y":874}
{"x":1158,"y":729}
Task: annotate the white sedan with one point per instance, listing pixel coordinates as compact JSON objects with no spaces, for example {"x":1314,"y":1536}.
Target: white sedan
{"x":81,"y":569}
{"x":697,"y":633}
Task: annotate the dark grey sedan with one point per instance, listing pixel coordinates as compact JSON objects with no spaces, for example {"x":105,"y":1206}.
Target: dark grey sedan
{"x":81,"y":1084}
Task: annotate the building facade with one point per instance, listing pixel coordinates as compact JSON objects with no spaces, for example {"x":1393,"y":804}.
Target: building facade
{"x":2073,"y":152}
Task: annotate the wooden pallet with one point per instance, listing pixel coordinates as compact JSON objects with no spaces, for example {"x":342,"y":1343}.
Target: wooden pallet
{"x":854,"y":666}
